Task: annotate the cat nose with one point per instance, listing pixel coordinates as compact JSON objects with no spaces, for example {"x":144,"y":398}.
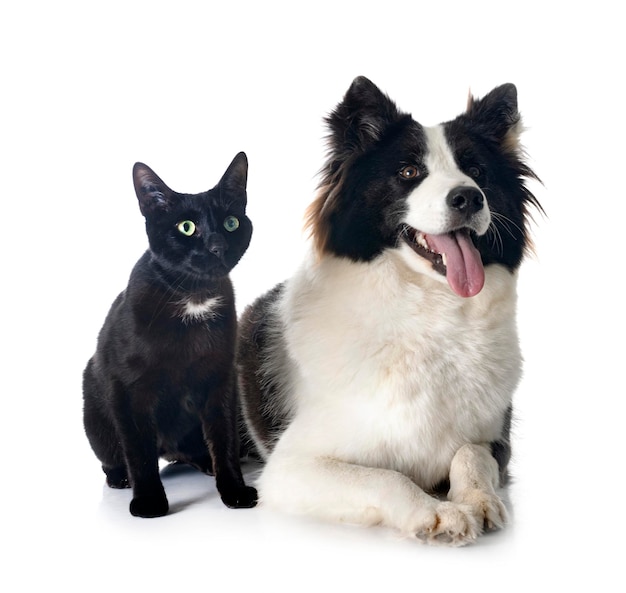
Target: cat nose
{"x":217,"y":245}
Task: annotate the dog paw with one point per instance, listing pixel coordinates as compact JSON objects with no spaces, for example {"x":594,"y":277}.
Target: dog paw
{"x":447,"y":524}
{"x":487,"y":508}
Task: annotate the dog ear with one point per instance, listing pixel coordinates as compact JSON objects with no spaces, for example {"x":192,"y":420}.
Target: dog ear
{"x":496,"y":115}
{"x":361,"y":118}
{"x":151,"y":191}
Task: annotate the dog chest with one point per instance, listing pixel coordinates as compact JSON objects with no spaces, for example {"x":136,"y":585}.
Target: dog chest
{"x":397,"y":375}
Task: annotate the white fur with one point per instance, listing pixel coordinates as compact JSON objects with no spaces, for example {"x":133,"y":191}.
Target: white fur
{"x":207,"y":309}
{"x":428,"y":210}
{"x":394,"y":383}
{"x":392,"y":377}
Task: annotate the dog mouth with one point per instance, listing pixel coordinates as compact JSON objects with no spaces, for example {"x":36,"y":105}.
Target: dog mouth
{"x":452,"y":255}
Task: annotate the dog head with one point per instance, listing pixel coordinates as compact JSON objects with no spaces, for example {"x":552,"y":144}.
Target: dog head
{"x":450,"y":197}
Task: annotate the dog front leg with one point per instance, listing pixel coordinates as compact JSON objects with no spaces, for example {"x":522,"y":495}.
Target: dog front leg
{"x":474,"y":478}
{"x":334,"y":490}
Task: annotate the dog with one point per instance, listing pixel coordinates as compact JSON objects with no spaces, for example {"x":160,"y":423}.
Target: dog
{"x":379,"y":378}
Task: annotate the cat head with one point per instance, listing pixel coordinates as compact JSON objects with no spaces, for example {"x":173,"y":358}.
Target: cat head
{"x":196,"y":237}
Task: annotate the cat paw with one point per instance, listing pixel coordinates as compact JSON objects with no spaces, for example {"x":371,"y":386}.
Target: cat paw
{"x":447,"y":524}
{"x":149,"y":506}
{"x":244,"y":497}
{"x":117,"y":478}
{"x":121,"y":483}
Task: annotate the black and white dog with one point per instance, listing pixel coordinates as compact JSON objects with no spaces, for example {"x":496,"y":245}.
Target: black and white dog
{"x":384,"y":370}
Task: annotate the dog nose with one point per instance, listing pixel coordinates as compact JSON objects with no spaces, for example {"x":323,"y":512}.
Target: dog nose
{"x":467,"y":200}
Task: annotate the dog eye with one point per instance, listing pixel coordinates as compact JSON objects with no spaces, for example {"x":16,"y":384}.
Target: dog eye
{"x":409,"y":172}
{"x":475,"y":172}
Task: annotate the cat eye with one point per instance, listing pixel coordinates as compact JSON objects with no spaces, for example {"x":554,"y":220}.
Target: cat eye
{"x":409,"y":172}
{"x":231,"y":223}
{"x":186,"y":227}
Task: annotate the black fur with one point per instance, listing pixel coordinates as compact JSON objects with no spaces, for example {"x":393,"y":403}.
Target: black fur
{"x":162,"y":383}
{"x":484,"y":147}
{"x":256,"y":336}
{"x":362,"y":197}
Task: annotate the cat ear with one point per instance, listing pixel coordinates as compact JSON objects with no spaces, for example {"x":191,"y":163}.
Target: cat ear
{"x":236,"y":176}
{"x":151,"y":191}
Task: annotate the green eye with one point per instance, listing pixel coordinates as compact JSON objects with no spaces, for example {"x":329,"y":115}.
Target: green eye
{"x":186,"y":227}
{"x":231,"y":223}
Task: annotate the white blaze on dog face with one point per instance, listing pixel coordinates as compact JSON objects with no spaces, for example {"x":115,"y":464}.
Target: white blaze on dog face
{"x":444,"y":210}
{"x":428,"y":210}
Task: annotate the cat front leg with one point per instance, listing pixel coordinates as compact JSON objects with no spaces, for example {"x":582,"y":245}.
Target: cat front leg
{"x":138,"y":435}
{"x":474,"y":477}
{"x":219,"y":423}
{"x":229,"y":480}
{"x":149,"y":499}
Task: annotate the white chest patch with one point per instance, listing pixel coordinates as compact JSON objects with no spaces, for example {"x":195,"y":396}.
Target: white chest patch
{"x":200,"y":311}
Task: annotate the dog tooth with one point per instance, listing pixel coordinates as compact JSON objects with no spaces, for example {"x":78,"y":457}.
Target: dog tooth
{"x":444,"y":259}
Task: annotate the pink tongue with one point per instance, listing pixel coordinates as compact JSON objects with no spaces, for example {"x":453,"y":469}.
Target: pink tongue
{"x":465,"y":272}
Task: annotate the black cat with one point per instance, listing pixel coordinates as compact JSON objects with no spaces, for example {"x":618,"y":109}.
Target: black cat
{"x":162,"y":380}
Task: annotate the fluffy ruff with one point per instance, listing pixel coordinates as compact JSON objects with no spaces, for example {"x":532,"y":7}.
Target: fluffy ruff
{"x":383,"y":371}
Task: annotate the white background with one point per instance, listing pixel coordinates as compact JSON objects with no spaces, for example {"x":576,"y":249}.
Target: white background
{"x":87,"y":89}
